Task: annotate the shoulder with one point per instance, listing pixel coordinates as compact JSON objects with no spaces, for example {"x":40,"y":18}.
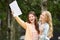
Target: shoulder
{"x":27,"y":24}
{"x":39,"y":23}
{"x":46,"y":25}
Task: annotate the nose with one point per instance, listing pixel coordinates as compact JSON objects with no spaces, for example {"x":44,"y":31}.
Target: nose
{"x":40,"y":15}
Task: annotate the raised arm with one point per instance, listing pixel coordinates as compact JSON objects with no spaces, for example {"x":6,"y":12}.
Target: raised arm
{"x":21,"y":22}
{"x":16,"y":11}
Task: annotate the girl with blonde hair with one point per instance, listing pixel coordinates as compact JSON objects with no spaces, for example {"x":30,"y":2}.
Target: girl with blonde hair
{"x":45,"y":26}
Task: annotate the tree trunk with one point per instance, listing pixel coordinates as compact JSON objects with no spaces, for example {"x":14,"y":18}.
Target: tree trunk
{"x":12,"y":29}
{"x":43,"y":5}
{"x":8,"y":19}
{"x":10,"y":23}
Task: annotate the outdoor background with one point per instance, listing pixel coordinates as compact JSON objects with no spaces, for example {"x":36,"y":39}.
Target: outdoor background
{"x":11,"y":30}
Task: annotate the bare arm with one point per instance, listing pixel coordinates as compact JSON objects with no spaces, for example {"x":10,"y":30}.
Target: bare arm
{"x":21,"y":22}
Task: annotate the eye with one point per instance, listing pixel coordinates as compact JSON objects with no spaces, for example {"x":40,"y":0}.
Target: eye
{"x":29,"y":16}
{"x":32,"y":16}
{"x":42,"y":15}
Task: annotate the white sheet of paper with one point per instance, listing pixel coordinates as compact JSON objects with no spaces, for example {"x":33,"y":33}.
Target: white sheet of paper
{"x":15,"y":8}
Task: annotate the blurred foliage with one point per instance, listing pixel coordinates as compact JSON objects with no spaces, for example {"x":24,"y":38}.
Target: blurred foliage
{"x":54,"y":8}
{"x":26,"y":6}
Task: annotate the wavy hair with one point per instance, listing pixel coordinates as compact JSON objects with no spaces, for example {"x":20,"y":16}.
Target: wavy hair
{"x":36,"y":24}
{"x":49,"y":21}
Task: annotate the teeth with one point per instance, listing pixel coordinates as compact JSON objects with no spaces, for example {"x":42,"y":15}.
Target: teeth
{"x":32,"y":19}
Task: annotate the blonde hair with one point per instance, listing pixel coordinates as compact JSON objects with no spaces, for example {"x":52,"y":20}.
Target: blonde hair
{"x":49,"y":21}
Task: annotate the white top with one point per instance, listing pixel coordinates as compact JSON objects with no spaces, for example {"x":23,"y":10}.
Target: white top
{"x":45,"y":31}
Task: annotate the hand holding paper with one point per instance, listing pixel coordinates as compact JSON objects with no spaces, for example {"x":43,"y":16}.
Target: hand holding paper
{"x":15,"y":8}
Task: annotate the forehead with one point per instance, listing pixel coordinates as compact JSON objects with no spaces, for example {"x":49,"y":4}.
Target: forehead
{"x":31,"y":15}
{"x":43,"y":13}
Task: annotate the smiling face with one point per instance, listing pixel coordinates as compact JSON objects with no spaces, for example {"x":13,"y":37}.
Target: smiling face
{"x":31,"y":18}
{"x":43,"y":17}
{"x":46,"y":16}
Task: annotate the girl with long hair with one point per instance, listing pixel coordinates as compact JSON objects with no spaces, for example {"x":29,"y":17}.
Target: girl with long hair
{"x":45,"y":26}
{"x":31,"y":26}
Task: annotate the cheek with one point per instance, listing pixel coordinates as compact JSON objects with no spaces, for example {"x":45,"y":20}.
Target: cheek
{"x":42,"y":17}
{"x":46,"y":19}
{"x":34,"y":18}
{"x":29,"y":19}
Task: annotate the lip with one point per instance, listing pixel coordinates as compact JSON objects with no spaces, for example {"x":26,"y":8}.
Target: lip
{"x":31,"y":19}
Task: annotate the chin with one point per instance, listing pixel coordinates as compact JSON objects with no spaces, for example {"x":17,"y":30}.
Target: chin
{"x":31,"y":21}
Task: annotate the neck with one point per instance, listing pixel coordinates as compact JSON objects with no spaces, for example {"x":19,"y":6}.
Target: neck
{"x":42,"y":22}
{"x":32,"y":23}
